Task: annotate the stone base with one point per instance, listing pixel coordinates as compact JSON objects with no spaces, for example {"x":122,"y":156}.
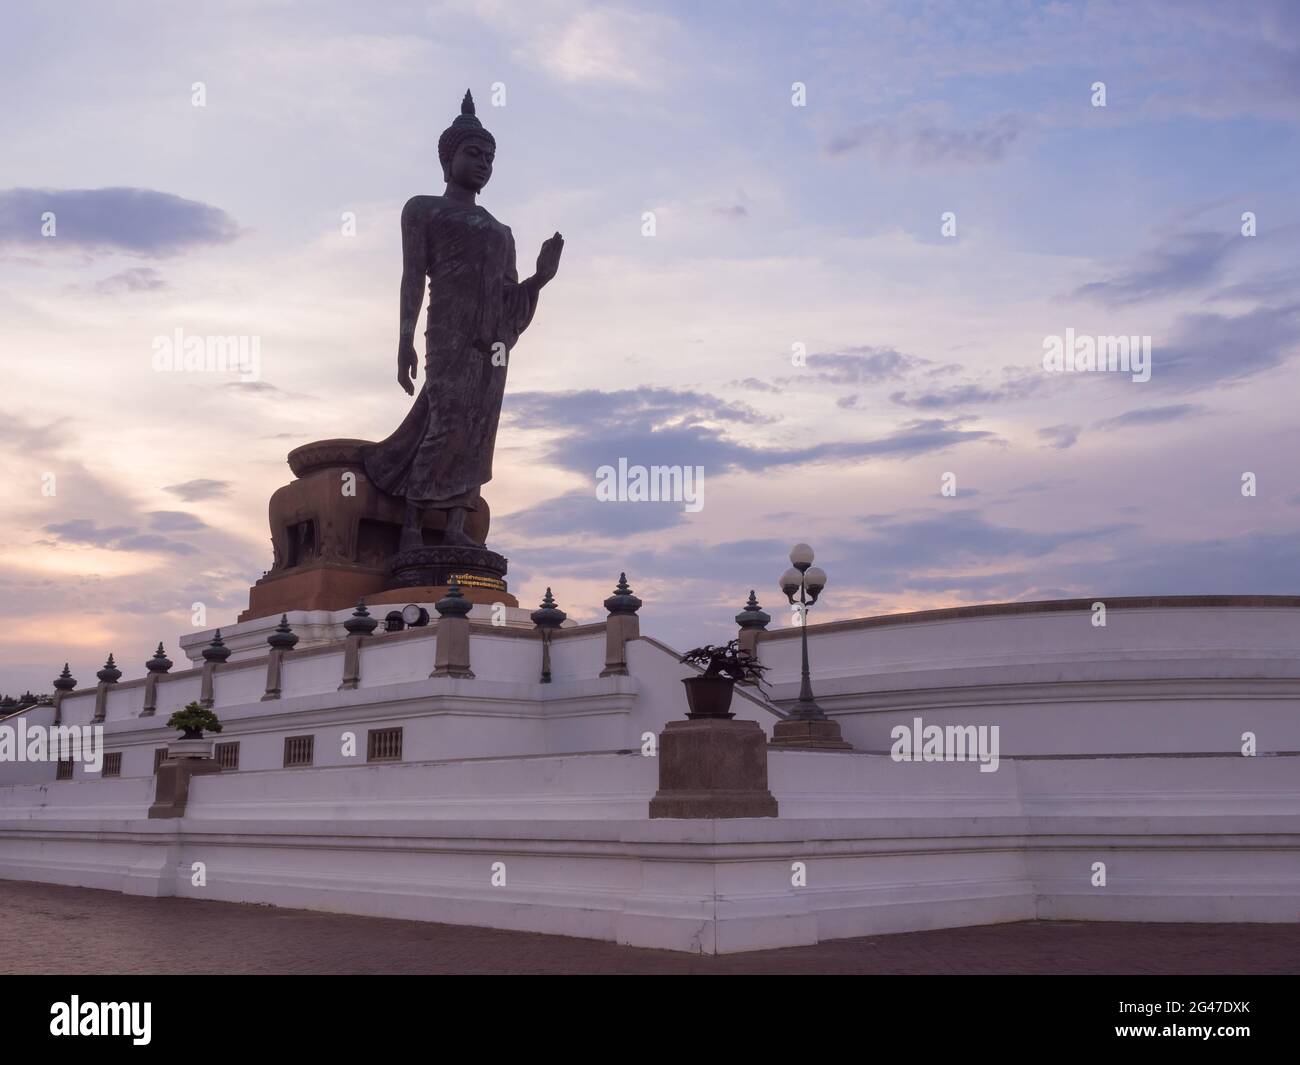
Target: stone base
{"x":332,"y":547}
{"x":473,"y":567}
{"x":172,"y":784}
{"x":713,"y":768}
{"x":321,"y":586}
{"x":821,"y":735}
{"x":431,"y":593}
{"x":338,"y":587}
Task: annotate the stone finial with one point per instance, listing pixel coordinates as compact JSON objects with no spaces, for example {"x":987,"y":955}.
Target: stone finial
{"x":110,"y":674}
{"x":451,"y":654}
{"x":159,"y":663}
{"x":622,"y":601}
{"x":548,"y":615}
{"x":282,"y":639}
{"x":453,"y":604}
{"x":65,"y":682}
{"x":753,"y":616}
{"x":360,"y":623}
{"x":216,"y":651}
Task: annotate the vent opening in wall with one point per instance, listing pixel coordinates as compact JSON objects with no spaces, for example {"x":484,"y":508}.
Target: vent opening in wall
{"x":299,"y":750}
{"x":384,"y":745}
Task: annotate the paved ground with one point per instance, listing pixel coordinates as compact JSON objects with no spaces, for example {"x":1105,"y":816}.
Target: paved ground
{"x":50,"y":929}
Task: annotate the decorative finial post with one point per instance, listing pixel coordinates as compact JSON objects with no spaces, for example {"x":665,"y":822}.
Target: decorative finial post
{"x":360,"y":623}
{"x":64,"y":684}
{"x":547,"y":618}
{"x":108,"y":676}
{"x":155,"y":668}
{"x":213,"y":655}
{"x":621,"y":625}
{"x":358,"y":627}
{"x":282,"y":640}
{"x":752,"y":621}
{"x":451,"y":656}
{"x":216,"y":651}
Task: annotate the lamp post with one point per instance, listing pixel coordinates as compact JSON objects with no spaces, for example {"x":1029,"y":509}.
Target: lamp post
{"x":807,"y":724}
{"x":808,"y":581}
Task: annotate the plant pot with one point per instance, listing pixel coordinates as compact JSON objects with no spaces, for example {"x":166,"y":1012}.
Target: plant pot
{"x":184,"y":748}
{"x":709,"y":697}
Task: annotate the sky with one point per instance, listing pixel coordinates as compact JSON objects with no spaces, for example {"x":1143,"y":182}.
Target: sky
{"x":868,"y":219}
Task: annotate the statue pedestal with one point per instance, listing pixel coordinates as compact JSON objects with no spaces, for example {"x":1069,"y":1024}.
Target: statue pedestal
{"x":473,"y":567}
{"x":335,"y":538}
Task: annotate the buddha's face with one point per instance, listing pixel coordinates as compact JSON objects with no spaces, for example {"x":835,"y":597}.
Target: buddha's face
{"x":471,"y":166}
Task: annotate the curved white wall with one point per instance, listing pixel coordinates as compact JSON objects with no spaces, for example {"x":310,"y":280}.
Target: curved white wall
{"x":1187,"y":677}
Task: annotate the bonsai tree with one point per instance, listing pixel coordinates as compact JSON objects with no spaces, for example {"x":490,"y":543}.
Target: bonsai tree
{"x":194,"y":720}
{"x":728,"y":662}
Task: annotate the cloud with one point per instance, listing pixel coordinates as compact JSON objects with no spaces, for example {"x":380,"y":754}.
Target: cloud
{"x":202,"y":488}
{"x":257,"y":387}
{"x":1210,"y":349}
{"x":1186,"y":261}
{"x":137,"y":279}
{"x":935,"y":552}
{"x":1017,"y":384}
{"x":1059,"y":436}
{"x":861,"y":366}
{"x":114,"y":538}
{"x":174,"y":521}
{"x":604,"y":45}
{"x":136,"y":221}
{"x":580,"y":514}
{"x":1152,"y":416}
{"x":736,"y":211}
{"x":931,"y":145}
{"x":657,"y":426}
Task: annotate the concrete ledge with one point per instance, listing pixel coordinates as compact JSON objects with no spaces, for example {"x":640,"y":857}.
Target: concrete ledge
{"x":704,"y":886}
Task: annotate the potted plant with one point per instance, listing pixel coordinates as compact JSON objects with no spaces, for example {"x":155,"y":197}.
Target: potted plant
{"x":192,"y":722}
{"x":709,"y":695}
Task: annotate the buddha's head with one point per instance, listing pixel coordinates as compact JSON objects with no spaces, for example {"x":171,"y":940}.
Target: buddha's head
{"x":466,"y":150}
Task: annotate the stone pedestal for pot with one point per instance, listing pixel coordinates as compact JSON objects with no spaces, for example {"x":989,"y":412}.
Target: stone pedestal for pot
{"x":185,"y":759}
{"x":713,"y":767}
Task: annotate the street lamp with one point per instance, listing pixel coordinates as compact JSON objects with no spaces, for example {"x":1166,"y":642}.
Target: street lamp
{"x":806,"y":581}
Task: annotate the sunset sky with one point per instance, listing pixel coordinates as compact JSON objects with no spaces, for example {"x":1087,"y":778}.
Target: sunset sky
{"x":775,"y":226}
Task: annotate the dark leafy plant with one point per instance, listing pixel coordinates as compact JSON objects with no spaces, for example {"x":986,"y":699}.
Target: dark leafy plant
{"x":729,"y":661}
{"x":194,"y":720}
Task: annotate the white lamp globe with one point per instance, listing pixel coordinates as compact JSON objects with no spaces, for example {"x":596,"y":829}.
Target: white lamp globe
{"x":801,"y":556}
{"x":816,"y":578}
{"x":790,"y":581}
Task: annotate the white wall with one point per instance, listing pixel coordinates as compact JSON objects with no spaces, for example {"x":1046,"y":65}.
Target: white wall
{"x":1154,"y":679}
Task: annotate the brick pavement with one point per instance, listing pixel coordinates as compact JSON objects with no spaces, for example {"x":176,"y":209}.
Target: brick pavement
{"x":46,"y":928}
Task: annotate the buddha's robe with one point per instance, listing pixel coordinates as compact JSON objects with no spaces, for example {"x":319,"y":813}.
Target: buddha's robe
{"x":442,"y":451}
